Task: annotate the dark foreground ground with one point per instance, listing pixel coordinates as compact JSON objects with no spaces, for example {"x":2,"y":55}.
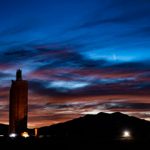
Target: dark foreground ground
{"x":69,"y":144}
{"x":96,"y":132}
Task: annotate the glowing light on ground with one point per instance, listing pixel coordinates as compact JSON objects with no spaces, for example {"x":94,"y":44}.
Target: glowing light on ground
{"x":12,"y":135}
{"x":126,"y":134}
{"x":25,"y":134}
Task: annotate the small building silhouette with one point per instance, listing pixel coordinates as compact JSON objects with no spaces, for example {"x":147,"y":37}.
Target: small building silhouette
{"x":18,"y":104}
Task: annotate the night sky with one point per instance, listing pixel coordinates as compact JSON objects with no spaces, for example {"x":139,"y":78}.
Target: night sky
{"x":79,"y":56}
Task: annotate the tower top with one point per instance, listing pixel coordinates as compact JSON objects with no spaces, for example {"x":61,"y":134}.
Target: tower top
{"x":19,"y":74}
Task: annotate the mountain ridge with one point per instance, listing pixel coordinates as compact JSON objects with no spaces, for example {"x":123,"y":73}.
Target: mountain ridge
{"x":101,"y":126}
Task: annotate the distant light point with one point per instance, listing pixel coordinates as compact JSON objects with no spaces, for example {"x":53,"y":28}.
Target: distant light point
{"x":126,"y":134}
{"x":12,"y":135}
{"x":25,"y":134}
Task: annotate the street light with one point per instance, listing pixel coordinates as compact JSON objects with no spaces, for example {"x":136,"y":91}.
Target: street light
{"x":12,"y":135}
{"x":126,"y":134}
{"x":25,"y":134}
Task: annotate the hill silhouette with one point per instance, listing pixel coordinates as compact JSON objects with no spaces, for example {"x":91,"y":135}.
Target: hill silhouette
{"x":99,"y":128}
{"x":90,"y":131}
{"x":3,"y":129}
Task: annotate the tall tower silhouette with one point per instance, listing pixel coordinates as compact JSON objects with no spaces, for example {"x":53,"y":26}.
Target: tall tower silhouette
{"x":18,"y":104}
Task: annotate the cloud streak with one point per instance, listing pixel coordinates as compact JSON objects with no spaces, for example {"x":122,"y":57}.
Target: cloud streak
{"x":85,"y":58}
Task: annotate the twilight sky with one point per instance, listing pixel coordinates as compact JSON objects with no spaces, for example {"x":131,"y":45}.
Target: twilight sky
{"x":79,"y":56}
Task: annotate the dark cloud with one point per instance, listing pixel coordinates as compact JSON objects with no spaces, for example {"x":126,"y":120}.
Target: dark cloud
{"x":40,"y":88}
{"x":49,"y":58}
{"x":132,"y":66}
{"x":130,"y":87}
{"x":13,"y":57}
{"x":54,"y":117}
{"x":4,"y":75}
{"x":105,"y":105}
{"x":69,"y":105}
{"x":140,"y":32}
{"x":57,"y":59}
{"x":70,"y":59}
{"x":118,"y":13}
{"x":18,"y":53}
{"x":20,"y":27}
{"x":130,"y":106}
{"x":33,"y":107}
